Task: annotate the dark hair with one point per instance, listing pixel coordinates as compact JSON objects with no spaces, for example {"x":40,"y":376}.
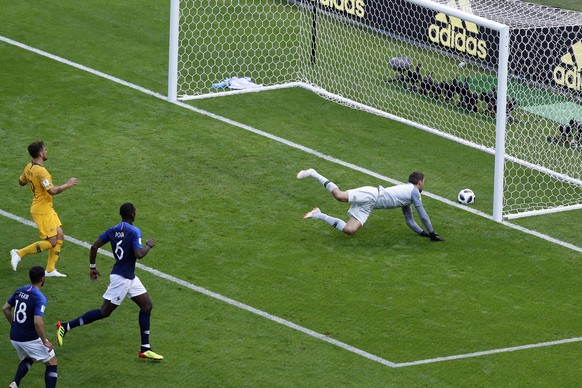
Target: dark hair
{"x":415,"y":177}
{"x":34,"y":148}
{"x":127,"y":210}
{"x":36,"y":274}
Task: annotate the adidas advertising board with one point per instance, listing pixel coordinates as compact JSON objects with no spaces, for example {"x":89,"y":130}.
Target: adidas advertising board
{"x":549,"y":55}
{"x":568,"y":72}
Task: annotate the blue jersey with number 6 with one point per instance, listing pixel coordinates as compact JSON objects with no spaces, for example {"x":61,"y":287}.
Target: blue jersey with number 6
{"x":124,"y":238}
{"x":27,"y":301}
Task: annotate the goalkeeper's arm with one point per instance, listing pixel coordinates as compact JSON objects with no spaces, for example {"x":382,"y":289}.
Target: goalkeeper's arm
{"x":430,"y":233}
{"x":410,"y":222}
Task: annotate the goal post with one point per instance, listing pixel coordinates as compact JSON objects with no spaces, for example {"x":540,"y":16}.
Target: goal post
{"x":504,"y":77}
{"x":173,"y":50}
{"x":501,"y":103}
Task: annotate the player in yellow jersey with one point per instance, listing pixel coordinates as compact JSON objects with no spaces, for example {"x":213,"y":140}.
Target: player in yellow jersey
{"x":49,"y":225}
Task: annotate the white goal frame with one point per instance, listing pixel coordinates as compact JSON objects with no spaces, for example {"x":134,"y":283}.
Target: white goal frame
{"x":501,"y":103}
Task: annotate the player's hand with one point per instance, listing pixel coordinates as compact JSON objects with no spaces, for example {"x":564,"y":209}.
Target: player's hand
{"x":94,"y":274}
{"x":151,"y":243}
{"x":434,"y":236}
{"x":424,"y":234}
{"x":48,"y":344}
{"x":72,"y":182}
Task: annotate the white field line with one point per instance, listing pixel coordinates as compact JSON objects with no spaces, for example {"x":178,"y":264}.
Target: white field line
{"x":315,"y":153}
{"x":299,"y":328}
{"x":222,"y":298}
{"x":489,"y":352}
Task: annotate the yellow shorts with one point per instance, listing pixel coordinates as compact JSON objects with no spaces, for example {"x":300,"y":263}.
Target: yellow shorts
{"x":47,"y":223}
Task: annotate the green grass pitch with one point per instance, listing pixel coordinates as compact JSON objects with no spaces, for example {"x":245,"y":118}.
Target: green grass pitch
{"x":226,"y":211}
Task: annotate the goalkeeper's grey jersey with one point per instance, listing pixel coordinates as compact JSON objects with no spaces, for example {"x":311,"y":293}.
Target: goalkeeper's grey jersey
{"x":395,"y":196}
{"x":403,"y":196}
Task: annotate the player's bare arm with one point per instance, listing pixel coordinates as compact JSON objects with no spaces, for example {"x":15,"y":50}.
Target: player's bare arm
{"x":7,"y":310}
{"x":93,"y":271}
{"x":59,"y":189}
{"x":39,"y":326}
{"x":141,"y":252}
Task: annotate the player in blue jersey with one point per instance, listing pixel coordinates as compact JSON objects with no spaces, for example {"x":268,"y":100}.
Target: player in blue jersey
{"x":366,"y":199}
{"x":125,"y":240}
{"x":24,"y":310}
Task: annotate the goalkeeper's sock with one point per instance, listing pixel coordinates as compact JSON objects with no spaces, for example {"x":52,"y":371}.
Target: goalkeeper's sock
{"x":36,"y":247}
{"x":333,"y":221}
{"x":329,"y":185}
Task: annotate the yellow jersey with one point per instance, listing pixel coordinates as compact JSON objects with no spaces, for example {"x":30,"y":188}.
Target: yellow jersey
{"x":39,"y":181}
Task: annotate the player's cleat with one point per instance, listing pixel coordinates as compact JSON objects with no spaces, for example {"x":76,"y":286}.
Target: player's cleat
{"x":150,"y":355}
{"x":14,"y":258}
{"x":305,"y":173}
{"x":13,"y":385}
{"x":61,"y":331}
{"x":54,"y":274}
{"x":311,"y":213}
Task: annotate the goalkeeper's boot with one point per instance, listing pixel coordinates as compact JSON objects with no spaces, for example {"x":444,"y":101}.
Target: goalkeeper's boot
{"x":312,"y":213}
{"x":305,"y":173}
{"x":150,"y":355}
{"x":61,"y":331}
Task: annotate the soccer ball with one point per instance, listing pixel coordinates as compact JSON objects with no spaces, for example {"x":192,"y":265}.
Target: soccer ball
{"x":466,"y":196}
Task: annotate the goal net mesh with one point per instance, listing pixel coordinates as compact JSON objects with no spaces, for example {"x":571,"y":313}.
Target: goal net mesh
{"x":416,"y":64}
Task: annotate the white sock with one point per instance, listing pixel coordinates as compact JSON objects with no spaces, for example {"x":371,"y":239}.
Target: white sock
{"x":333,"y":221}
{"x":329,"y":185}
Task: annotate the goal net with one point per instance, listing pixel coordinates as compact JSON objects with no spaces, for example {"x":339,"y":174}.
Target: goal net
{"x":502,"y":76}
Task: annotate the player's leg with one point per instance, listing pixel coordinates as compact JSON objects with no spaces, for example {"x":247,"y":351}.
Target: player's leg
{"x":36,"y":247}
{"x":144,"y":317}
{"x":140,"y":296}
{"x":319,"y":215}
{"x":89,"y":317}
{"x":311,"y":173}
{"x":39,"y":246}
{"x":340,"y":195}
{"x":22,"y":370}
{"x":50,"y":374}
{"x":362,"y":200}
{"x":36,"y":350}
{"x":55,"y":251}
{"x":358,"y":213}
{"x":352,"y":226}
{"x":145,"y":308}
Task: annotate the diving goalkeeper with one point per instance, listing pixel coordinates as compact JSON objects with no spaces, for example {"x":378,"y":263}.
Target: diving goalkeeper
{"x":364,"y":200}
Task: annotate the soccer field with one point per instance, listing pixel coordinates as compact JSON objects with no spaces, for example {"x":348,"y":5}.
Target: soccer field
{"x":246,"y":292}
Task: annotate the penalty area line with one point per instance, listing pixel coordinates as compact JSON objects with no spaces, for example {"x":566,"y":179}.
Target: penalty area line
{"x":317,"y":154}
{"x":489,"y":352}
{"x":295,"y":326}
{"x":278,"y":139}
{"x":223,"y":298}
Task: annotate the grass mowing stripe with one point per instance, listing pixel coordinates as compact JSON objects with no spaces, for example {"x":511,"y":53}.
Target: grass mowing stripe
{"x":299,"y":328}
{"x":222,"y":298}
{"x":282,"y":140}
{"x":80,"y":67}
{"x":315,"y":153}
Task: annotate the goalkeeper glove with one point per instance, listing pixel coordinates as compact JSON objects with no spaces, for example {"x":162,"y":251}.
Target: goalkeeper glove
{"x":434,"y":236}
